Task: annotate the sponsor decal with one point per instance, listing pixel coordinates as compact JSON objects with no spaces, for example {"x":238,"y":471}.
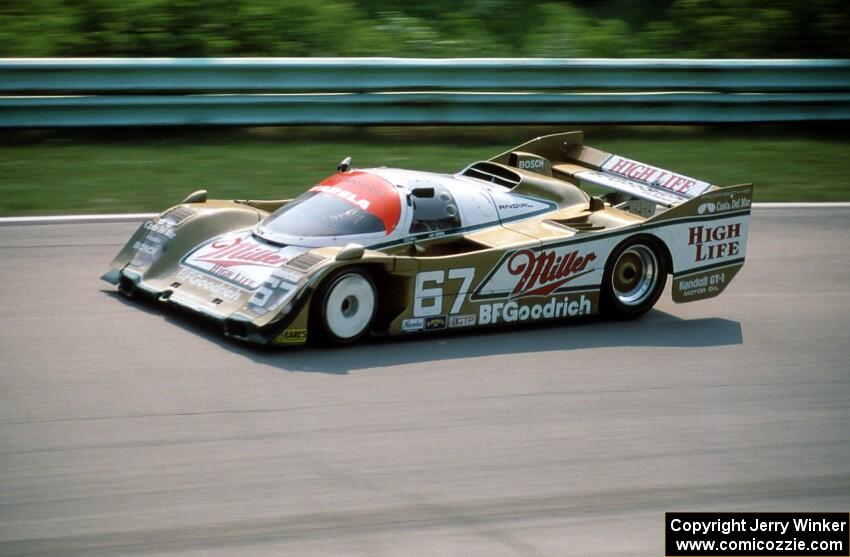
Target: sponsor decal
{"x":239,"y":259}
{"x":531,"y":164}
{"x":367,"y":191}
{"x":704,"y":284}
{"x":713,"y":242}
{"x":161,"y":227}
{"x":415,"y":324}
{"x":514,"y":311}
{"x":642,"y":207}
{"x":725,"y":201}
{"x":214,"y":287}
{"x":292,"y":336}
{"x":288,"y":275}
{"x":151,"y":247}
{"x":462,"y":321}
{"x":707,"y":207}
{"x":519,"y":205}
{"x":528,"y":272}
{"x":654,"y":176}
{"x":512,"y":205}
{"x":631,"y":187}
{"x":343,"y":194}
{"x":434,"y":323}
{"x":147,"y":247}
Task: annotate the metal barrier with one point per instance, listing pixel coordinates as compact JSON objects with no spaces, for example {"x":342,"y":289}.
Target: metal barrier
{"x":371,"y":91}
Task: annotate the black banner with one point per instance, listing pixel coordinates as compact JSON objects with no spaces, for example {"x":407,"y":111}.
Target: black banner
{"x":757,"y":534}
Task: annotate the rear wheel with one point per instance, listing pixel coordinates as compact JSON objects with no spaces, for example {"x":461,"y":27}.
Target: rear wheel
{"x":346,"y":306}
{"x":634,"y":278}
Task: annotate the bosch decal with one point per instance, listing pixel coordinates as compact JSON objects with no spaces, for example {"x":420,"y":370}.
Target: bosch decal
{"x":531,"y":164}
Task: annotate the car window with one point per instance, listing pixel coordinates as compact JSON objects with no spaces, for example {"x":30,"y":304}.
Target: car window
{"x":319,"y":214}
{"x":436,"y":213}
{"x":344,"y":204}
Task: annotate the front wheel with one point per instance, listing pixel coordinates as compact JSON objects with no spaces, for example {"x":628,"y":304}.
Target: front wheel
{"x":634,"y":278}
{"x":346,"y":306}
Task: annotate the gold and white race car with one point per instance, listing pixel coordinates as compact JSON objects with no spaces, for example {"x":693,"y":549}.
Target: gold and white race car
{"x":510,"y":240}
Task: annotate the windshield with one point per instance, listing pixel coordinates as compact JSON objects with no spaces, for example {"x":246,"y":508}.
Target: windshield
{"x":342,"y":205}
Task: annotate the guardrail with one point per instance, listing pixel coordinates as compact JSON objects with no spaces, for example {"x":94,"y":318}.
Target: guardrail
{"x":369,"y":91}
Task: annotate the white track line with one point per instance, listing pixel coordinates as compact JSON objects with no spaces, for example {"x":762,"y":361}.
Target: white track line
{"x":69,"y":219}
{"x":801,"y":205}
{"x":134,"y":217}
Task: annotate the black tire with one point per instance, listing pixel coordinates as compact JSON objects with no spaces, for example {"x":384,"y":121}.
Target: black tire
{"x":634,"y":278}
{"x":344,"y":306}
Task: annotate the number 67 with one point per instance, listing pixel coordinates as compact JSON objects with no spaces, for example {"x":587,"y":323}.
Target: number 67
{"x":428,"y":302}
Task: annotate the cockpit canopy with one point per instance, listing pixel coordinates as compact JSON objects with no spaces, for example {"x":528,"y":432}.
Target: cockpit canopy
{"x":345,"y":204}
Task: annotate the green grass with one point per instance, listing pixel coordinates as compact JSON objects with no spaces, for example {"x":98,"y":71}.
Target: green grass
{"x":132,"y":170}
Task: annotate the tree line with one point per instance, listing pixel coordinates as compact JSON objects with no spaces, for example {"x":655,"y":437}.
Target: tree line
{"x":426,"y":28}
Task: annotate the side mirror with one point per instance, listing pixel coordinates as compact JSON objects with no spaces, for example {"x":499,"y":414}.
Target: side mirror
{"x":422,"y":192}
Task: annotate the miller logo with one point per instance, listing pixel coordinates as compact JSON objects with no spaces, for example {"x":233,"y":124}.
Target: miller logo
{"x":539,"y":274}
{"x":535,"y":272}
{"x":239,"y":260}
{"x":240,"y":251}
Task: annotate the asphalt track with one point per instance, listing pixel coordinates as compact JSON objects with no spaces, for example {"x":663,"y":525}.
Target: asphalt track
{"x":125,"y":430}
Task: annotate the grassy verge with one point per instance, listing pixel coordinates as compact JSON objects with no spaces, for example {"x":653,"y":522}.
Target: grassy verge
{"x":143,"y":170}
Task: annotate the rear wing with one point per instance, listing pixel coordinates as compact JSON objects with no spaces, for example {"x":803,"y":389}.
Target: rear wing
{"x":565,"y":156}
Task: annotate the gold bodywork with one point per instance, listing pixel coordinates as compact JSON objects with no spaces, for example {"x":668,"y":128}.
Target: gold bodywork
{"x":452,"y":281}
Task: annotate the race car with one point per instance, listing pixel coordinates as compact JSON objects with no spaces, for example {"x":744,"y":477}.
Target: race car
{"x":514,"y":239}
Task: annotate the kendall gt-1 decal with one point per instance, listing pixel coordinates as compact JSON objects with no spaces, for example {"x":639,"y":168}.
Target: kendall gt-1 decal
{"x":703,"y":284}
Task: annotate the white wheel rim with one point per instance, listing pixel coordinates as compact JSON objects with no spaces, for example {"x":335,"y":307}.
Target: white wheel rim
{"x":349,"y":306}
